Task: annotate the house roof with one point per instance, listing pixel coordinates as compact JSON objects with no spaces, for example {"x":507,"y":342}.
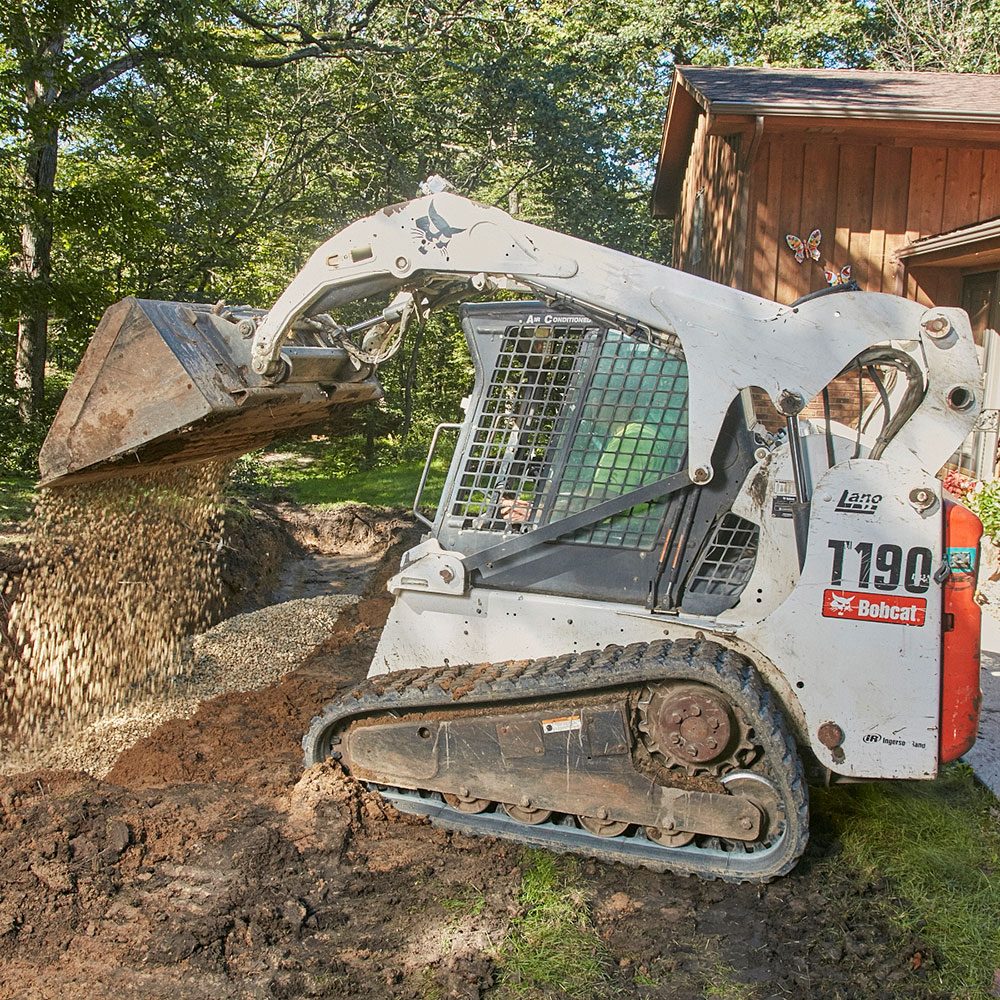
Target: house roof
{"x":740,"y":98}
{"x":838,"y":93}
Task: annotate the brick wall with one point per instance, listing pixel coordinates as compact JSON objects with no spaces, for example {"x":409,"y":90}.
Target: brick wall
{"x":844,"y":406}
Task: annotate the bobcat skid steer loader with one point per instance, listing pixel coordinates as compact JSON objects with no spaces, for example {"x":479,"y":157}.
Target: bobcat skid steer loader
{"x":637,"y":617}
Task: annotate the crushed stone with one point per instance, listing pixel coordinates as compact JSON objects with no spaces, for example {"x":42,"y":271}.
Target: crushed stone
{"x":114,"y":575}
{"x":242,"y":653}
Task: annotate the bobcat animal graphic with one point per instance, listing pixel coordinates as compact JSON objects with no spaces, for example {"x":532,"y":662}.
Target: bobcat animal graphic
{"x":841,"y":603}
{"x":434,"y":231}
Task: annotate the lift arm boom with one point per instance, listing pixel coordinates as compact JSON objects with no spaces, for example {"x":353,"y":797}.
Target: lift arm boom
{"x":731,"y":339}
{"x":168,"y":382}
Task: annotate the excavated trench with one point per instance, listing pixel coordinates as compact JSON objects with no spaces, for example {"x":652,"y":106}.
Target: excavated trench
{"x":205,"y":864}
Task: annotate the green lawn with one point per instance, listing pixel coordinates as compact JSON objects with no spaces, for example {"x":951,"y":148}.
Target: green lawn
{"x":938,"y":845}
{"x":17,"y":496}
{"x":551,"y":947}
{"x":395,"y":486}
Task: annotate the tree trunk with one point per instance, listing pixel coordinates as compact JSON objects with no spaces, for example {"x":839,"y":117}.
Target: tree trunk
{"x":371,"y":451}
{"x":410,"y":379}
{"x":36,"y":236}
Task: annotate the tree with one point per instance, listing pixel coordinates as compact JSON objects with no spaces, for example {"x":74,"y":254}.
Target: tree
{"x":59,"y":56}
{"x":952,"y":35}
{"x":776,"y":32}
{"x":201,"y":150}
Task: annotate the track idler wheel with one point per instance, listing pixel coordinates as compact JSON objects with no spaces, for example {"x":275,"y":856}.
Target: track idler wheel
{"x":763,"y":793}
{"x":602,"y":827}
{"x":467,"y":803}
{"x":666,"y":838}
{"x":525,"y":814}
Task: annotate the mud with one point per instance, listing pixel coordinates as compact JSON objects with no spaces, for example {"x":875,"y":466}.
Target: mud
{"x":208,"y":865}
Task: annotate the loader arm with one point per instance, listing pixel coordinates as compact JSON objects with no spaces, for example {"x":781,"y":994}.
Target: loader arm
{"x":731,"y":340}
{"x":172,"y":383}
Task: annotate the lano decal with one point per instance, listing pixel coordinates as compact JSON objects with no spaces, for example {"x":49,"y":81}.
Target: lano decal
{"x":885,"y":609}
{"x":856,"y":560}
{"x":858,"y":503}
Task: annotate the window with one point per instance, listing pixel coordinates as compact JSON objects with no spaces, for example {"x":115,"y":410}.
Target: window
{"x":573,"y":416}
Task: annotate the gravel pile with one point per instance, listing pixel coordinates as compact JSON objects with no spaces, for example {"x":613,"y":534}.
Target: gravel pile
{"x":114,"y":574}
{"x":242,"y":653}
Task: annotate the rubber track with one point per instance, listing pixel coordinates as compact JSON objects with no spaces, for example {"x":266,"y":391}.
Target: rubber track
{"x":562,"y":677}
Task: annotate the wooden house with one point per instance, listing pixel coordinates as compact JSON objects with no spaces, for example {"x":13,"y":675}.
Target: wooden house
{"x":900,"y":173}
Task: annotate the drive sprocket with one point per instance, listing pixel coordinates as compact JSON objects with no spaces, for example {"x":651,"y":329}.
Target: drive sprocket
{"x":694,"y":728}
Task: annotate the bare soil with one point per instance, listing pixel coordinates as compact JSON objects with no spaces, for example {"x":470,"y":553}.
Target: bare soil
{"x":208,"y":865}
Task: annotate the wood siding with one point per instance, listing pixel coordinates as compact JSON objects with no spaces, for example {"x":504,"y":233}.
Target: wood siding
{"x":868,"y":200}
{"x":713,"y":171}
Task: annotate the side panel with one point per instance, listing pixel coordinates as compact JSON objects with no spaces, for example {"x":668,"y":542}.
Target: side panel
{"x":859,"y":638}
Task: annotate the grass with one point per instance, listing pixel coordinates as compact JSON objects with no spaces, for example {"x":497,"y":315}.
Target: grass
{"x":393,"y":487}
{"x":722,"y":985}
{"x":17,"y":496}
{"x":469,"y":903}
{"x":551,"y":946}
{"x":939,"y":845}
{"x":312,"y":473}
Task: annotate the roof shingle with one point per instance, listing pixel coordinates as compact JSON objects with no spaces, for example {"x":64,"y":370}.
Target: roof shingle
{"x":846,"y":93}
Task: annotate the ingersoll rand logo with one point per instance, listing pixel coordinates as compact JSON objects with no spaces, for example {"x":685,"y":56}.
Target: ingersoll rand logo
{"x":887,"y":609}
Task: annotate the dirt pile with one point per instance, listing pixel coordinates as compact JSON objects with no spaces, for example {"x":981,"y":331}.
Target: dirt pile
{"x":114,"y":575}
{"x":208,"y":865}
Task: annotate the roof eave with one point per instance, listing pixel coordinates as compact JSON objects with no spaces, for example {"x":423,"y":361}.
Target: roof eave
{"x":678,"y":134}
{"x":816,"y":110}
{"x":958,"y":238}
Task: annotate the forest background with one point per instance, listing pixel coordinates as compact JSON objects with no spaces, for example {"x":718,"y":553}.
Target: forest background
{"x":201,"y":149}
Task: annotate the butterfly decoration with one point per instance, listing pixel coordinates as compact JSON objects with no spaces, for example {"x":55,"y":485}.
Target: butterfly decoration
{"x":841,"y":277}
{"x":809,"y":248}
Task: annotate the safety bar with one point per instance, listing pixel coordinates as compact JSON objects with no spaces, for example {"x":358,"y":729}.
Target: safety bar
{"x":427,"y":468}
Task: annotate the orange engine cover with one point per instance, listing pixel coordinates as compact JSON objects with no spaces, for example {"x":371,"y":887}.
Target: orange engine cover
{"x":961,"y":695}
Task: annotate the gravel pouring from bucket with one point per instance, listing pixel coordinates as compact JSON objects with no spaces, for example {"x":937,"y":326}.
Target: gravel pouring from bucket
{"x":170,"y":383}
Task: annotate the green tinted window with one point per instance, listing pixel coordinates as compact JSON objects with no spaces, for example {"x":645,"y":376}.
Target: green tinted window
{"x":632,"y":431}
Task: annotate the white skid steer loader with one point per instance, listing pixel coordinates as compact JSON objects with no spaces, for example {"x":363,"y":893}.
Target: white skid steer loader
{"x":637,"y":617}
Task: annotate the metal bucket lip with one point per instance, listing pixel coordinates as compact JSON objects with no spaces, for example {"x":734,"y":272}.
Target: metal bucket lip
{"x":170,"y":383}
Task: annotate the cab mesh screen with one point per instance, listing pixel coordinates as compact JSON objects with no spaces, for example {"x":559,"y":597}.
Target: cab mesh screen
{"x":632,"y":432}
{"x":573,"y":416}
{"x":521,"y":425}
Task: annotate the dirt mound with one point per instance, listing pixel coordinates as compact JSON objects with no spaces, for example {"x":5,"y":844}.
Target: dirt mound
{"x":348,"y":528}
{"x":208,"y":865}
{"x":206,"y":891}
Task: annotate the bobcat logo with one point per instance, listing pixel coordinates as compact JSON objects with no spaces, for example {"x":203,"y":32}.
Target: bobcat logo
{"x":434,"y":231}
{"x":840,"y":604}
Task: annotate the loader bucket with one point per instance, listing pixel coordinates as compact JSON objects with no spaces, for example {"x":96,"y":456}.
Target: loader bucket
{"x":167,"y":383}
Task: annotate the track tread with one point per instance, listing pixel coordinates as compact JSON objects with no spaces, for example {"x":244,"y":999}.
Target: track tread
{"x":570,"y":673}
